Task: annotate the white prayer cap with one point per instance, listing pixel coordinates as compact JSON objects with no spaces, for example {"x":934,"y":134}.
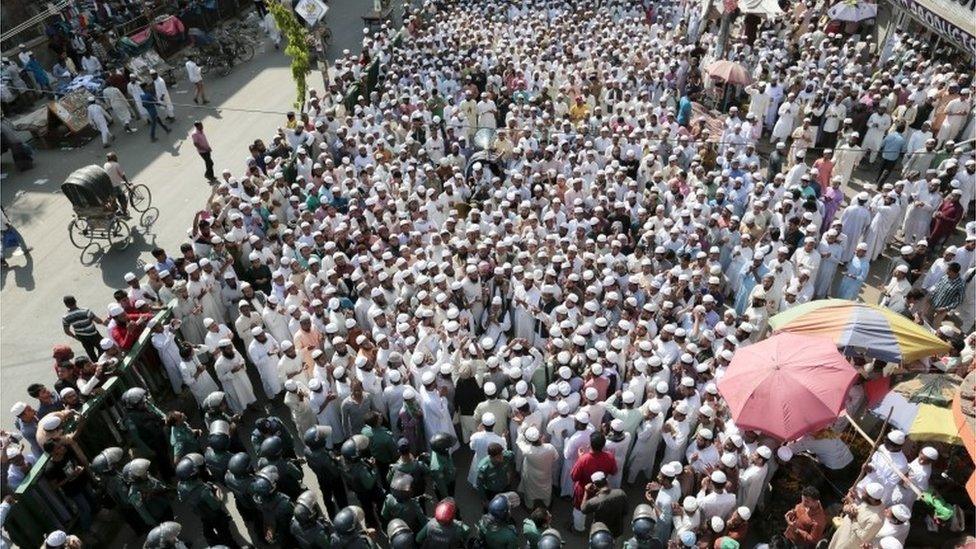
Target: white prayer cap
{"x":317,"y":353}
{"x":689,"y":504}
{"x":687,"y":382}
{"x":671,"y":469}
{"x":409,"y":394}
{"x":487,"y":342}
{"x":681,"y":408}
{"x":598,"y":476}
{"x":56,"y":538}
{"x":13,"y":451}
{"x":487,"y":420}
{"x":582,"y":417}
{"x":890,"y":542}
{"x":744,"y":512}
{"x":565,"y":372}
{"x":930,"y":453}
{"x":490,"y":389}
{"x":50,"y":422}
{"x":711,"y":388}
{"x":18,"y":408}
{"x":784,"y":453}
{"x":718,"y":477}
{"x":717,"y":524}
{"x":706,"y":434}
{"x":114,"y":309}
{"x":628,"y":397}
{"x":729,"y":460}
{"x":532,"y":434}
{"x":191,"y":268}
{"x":129,"y":277}
{"x":285,"y":345}
{"x":224,"y":343}
{"x":875,"y":490}
{"x":395,"y":376}
{"x":591,"y":393}
{"x":562,"y":407}
{"x":707,"y":411}
{"x":901,"y":512}
{"x":257,"y":330}
{"x":896,"y":437}
{"x":863,"y":246}
{"x":654,"y":407}
{"x":291,"y":386}
{"x":764,"y":452}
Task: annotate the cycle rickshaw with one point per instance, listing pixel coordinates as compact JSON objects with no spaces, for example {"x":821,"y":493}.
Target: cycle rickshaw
{"x":92,"y":198}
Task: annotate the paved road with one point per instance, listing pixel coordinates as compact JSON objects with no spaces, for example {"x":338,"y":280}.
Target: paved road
{"x":32,"y":289}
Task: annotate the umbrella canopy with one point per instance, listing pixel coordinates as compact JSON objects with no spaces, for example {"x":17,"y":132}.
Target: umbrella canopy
{"x":859,"y":328}
{"x":729,"y":71}
{"x":852,"y":11}
{"x":787,"y":385}
{"x":964,"y":419}
{"x":934,"y":423}
{"x":937,"y":389}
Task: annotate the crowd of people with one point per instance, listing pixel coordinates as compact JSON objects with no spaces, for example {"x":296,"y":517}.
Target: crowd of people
{"x":529,"y":242}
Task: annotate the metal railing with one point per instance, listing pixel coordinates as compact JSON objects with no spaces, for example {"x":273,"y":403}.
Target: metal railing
{"x":39,"y":507}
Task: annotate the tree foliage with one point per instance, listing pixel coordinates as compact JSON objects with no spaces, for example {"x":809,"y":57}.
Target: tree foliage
{"x":297,"y":49}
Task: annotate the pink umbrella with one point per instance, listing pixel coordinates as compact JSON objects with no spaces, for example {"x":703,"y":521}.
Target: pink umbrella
{"x":729,"y":71}
{"x":787,"y":385}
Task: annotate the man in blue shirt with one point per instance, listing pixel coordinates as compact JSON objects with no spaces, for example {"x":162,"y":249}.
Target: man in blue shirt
{"x":684,"y":110}
{"x":892,"y":146}
{"x":149,"y":102}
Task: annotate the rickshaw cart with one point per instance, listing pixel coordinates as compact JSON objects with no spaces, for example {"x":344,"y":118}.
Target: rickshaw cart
{"x":89,"y":190}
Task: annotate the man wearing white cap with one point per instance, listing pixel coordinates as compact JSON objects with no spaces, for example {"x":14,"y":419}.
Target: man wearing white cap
{"x":264,"y":353}
{"x":618,"y":443}
{"x":854,"y":223}
{"x":539,"y":460}
{"x":895,"y":527}
{"x":753,"y":478}
{"x":164,"y":340}
{"x":232,"y":373}
{"x":675,"y":433}
{"x":498,"y":408}
{"x":290,"y":365}
{"x":884,"y":465}
{"x":862,"y":520}
{"x":296,"y":399}
{"x":479,"y":443}
{"x":919,"y":472}
{"x":195,"y":375}
{"x":714,"y":499}
{"x":895,"y":292}
{"x":646,"y":441}
{"x":437,"y":415}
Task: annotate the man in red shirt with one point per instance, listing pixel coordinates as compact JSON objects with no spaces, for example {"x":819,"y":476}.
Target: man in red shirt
{"x":126,"y":327}
{"x":202,"y":146}
{"x":596,"y":460}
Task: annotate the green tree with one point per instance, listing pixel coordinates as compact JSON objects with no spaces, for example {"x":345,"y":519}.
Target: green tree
{"x":297,"y":49}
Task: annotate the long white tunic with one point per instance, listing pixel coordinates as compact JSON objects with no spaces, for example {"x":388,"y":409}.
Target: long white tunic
{"x":579,"y":440}
{"x":751,"y":483}
{"x":437,"y":416}
{"x":619,"y":449}
{"x":120,"y":107}
{"x":233,"y":376}
{"x":198,"y":379}
{"x":885,"y":217}
{"x":169,"y":354}
{"x":301,"y":410}
{"x":854,"y":222}
{"x":264,"y":356}
{"x":645,"y":448}
{"x":538,"y":463}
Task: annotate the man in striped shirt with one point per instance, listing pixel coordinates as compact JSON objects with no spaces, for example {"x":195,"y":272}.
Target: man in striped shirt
{"x":947,"y":293}
{"x":79,"y":323}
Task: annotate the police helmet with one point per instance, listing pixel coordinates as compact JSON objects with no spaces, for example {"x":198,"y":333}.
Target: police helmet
{"x":133,"y":397}
{"x":306,"y":508}
{"x":643,"y":511}
{"x":600,"y":537}
{"x":550,"y":539}
{"x":186,"y":469}
{"x":272,"y":447}
{"x":346,"y":521}
{"x":400,"y":535}
{"x":499,"y":507}
{"x":107,"y":460}
{"x":269,"y":472}
{"x":316,"y":437}
{"x":164,"y":535}
{"x":442,"y":442}
{"x":445,"y":511}
{"x":213,"y":401}
{"x":643,"y":528}
{"x":239,"y":463}
{"x":136,"y":470}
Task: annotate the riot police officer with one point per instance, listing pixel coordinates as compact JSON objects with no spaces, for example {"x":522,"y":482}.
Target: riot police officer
{"x":442,"y":470}
{"x":146,"y":426}
{"x":408,"y":464}
{"x":361,"y":477}
{"x":215,"y":408}
{"x":271,"y":426}
{"x":496,"y":529}
{"x":309,"y":528}
{"x":600,"y":537}
{"x":218,"y":454}
{"x":349,"y":531}
{"x":238,"y":479}
{"x":444,"y":531}
{"x":275,"y":508}
{"x":550,"y":539}
{"x":400,"y":503}
{"x":289,"y":475}
{"x":644,"y":525}
{"x":321,"y":461}
{"x":107,"y":468}
{"x":147,"y":495}
{"x":203,"y":497}
{"x":400,"y":535}
{"x":165,"y":536}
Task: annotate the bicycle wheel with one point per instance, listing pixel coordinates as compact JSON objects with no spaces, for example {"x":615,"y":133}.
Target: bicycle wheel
{"x":222,"y":69}
{"x":118,"y":234}
{"x":245,"y":52}
{"x":79,"y":232}
{"x":149,"y":217}
{"x":140,"y":197}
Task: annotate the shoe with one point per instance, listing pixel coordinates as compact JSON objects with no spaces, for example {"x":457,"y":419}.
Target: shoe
{"x":195,"y":100}
{"x":153,"y":139}
{"x":206,"y":101}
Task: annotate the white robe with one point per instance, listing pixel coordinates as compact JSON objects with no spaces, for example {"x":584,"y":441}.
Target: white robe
{"x":236,"y":385}
{"x":883,"y":472}
{"x":162,"y":96}
{"x":676,"y":441}
{"x":645,"y":448}
{"x":538,"y":463}
{"x":854,"y":223}
{"x":876,"y":237}
{"x":120,"y":106}
{"x":301,"y":410}
{"x":264,"y":356}
{"x":751,"y":483}
{"x":200,"y":385}
{"x":169,"y":354}
{"x":437,"y":416}
{"x":135,"y":92}
{"x":878,"y":125}
{"x":619,"y":449}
